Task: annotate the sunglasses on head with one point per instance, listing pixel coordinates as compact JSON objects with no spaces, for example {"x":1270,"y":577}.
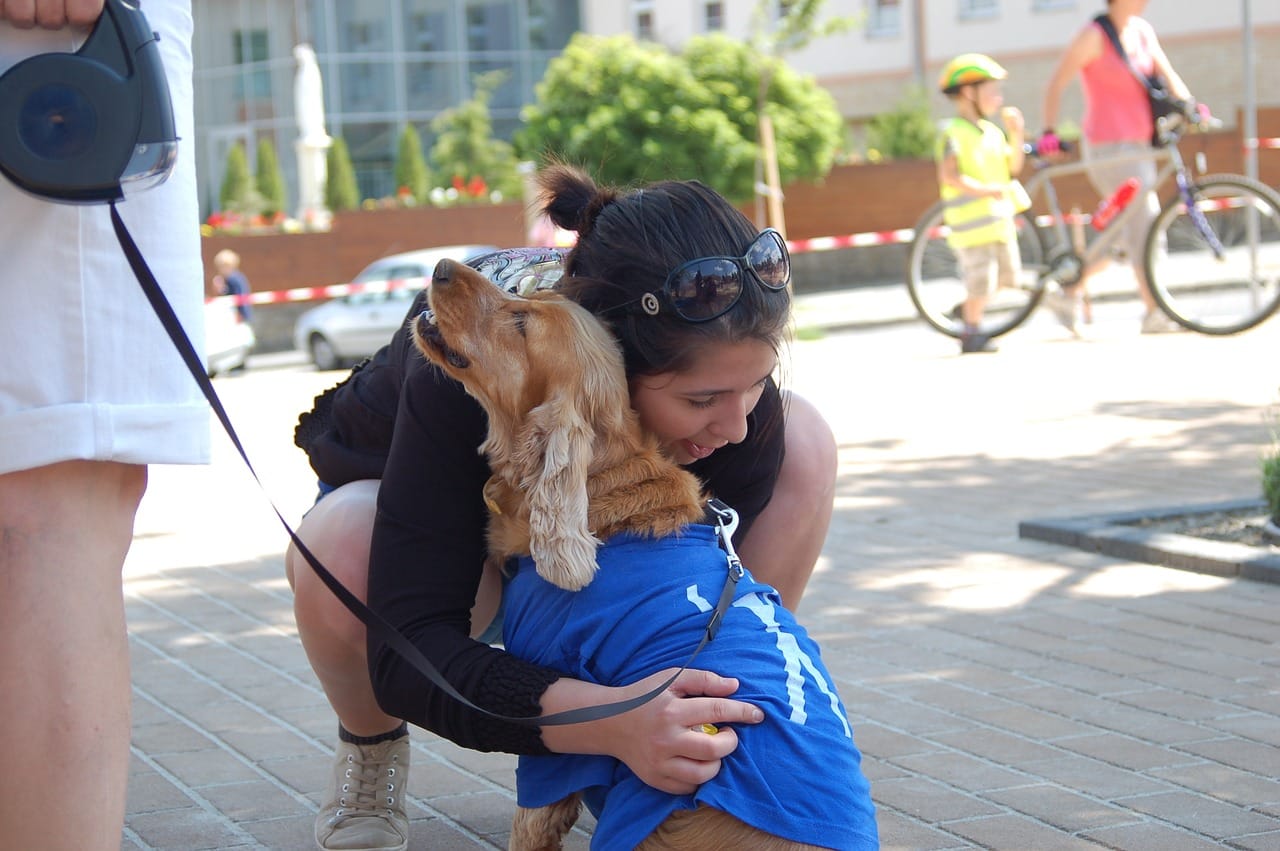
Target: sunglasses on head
{"x":706,"y":288}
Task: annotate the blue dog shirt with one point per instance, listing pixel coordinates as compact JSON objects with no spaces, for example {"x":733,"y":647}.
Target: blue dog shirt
{"x":797,"y":774}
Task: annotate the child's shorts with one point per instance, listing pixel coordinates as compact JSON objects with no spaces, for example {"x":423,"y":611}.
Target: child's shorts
{"x":985,"y":267}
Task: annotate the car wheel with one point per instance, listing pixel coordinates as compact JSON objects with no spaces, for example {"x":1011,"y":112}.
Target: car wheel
{"x":323,"y":354}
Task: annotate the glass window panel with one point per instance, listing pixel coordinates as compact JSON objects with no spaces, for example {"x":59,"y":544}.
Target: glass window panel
{"x":366,"y":86}
{"x":884,"y":17}
{"x":552,"y":23}
{"x":491,"y":25}
{"x":429,"y":25}
{"x":372,"y":147}
{"x":979,"y":8}
{"x":362,"y":26}
{"x":644,"y":26}
{"x":431,"y":86}
{"x":713,"y":16}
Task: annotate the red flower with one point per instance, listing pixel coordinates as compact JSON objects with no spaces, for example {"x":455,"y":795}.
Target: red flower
{"x":477,"y":187}
{"x":458,"y":184}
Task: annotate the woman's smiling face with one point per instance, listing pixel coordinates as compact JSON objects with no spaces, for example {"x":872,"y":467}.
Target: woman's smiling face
{"x":697,"y":411}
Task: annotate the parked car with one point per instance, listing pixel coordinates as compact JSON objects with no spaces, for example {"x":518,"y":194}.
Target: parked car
{"x":355,"y":326}
{"x":228,"y":339}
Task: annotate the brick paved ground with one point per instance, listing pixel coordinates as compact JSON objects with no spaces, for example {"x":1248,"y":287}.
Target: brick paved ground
{"x":1006,"y":693}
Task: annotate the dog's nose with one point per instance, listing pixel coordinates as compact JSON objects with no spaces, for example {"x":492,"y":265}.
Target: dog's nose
{"x":443,"y":272}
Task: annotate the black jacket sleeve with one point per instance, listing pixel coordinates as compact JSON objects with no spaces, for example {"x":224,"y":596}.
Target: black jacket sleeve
{"x":425,"y":564}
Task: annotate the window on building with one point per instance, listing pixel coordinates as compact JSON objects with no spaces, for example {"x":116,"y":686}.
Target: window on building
{"x":713,"y":15}
{"x":642,"y":16}
{"x":552,"y":23}
{"x":884,"y":17}
{"x":428,"y":26}
{"x":250,"y":50}
{"x":644,"y":26}
{"x":491,"y":25}
{"x":979,"y":8}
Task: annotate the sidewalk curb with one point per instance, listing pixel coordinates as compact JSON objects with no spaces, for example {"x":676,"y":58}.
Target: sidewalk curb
{"x":1110,"y":534}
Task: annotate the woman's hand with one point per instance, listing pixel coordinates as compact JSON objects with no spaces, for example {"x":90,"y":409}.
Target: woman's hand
{"x":662,"y":741}
{"x":50,"y":14}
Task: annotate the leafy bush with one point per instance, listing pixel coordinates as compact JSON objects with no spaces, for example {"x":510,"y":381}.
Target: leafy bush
{"x":907,"y":131}
{"x":269,"y":179}
{"x":340,"y":189}
{"x":411,"y":166}
{"x":465,"y":150}
{"x":1271,"y":484}
{"x":237,"y":182}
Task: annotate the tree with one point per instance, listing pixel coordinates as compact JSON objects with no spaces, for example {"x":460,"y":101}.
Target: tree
{"x":269,"y":179}
{"x":340,"y":190}
{"x":465,"y":149}
{"x":808,"y":129}
{"x":631,"y":113}
{"x":907,"y":131}
{"x":411,"y":168}
{"x":797,"y":25}
{"x":237,"y":183}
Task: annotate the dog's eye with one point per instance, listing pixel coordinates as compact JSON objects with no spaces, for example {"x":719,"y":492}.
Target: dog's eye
{"x":518,"y":318}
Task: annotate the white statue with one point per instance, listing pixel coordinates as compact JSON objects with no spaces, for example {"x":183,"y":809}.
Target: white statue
{"x":313,"y":141}
{"x":308,"y":97}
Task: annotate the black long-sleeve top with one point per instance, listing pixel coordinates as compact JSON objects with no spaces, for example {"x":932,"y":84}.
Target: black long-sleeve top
{"x":399,"y":418}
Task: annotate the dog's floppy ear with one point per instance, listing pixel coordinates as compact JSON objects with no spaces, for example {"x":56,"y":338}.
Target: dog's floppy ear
{"x":584,"y":399}
{"x":552,"y":454}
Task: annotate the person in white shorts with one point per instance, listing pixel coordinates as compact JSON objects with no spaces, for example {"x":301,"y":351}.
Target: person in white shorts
{"x":91,"y":391}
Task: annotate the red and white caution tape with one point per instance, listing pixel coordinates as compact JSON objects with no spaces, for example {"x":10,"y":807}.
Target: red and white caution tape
{"x":853,"y":240}
{"x":316,"y":293}
{"x":1272,"y":143}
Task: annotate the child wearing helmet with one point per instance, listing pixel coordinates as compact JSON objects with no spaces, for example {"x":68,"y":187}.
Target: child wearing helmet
{"x":976,"y":161}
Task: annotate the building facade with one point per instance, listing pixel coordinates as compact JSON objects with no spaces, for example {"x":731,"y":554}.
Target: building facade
{"x":384,"y":64}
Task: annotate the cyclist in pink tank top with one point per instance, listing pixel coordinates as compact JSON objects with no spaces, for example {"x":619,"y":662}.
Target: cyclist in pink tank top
{"x":1117,"y":121}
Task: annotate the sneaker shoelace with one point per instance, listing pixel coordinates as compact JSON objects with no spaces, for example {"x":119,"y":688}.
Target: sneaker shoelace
{"x":364,"y":794}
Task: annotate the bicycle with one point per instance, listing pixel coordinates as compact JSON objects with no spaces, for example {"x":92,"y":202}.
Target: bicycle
{"x":1212,"y":255}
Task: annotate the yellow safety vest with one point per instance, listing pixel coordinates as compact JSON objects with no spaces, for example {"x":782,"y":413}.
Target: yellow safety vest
{"x":981,"y":152}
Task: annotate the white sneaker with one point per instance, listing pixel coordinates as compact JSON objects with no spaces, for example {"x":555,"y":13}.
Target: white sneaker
{"x":1063,"y":305}
{"x":365,"y":800}
{"x":1156,"y":322}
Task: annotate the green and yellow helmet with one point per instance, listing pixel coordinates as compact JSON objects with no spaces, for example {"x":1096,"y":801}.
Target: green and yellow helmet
{"x":969,"y":68}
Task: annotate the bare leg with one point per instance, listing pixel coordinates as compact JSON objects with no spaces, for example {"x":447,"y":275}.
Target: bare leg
{"x":64,"y":657}
{"x":784,"y":543}
{"x":338,"y":531}
{"x":972,"y":310}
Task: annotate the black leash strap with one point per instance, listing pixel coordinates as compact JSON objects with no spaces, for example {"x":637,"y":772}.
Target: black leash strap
{"x":726,"y":518}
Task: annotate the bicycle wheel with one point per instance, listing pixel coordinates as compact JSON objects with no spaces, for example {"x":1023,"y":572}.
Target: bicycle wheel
{"x":937,"y":288}
{"x":1216,"y":268}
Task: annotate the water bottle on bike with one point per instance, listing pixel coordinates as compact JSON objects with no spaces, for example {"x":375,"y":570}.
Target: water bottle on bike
{"x":1111,"y":207}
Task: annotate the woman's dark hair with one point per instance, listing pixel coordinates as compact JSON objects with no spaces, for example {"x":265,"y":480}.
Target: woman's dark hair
{"x":630,"y":241}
